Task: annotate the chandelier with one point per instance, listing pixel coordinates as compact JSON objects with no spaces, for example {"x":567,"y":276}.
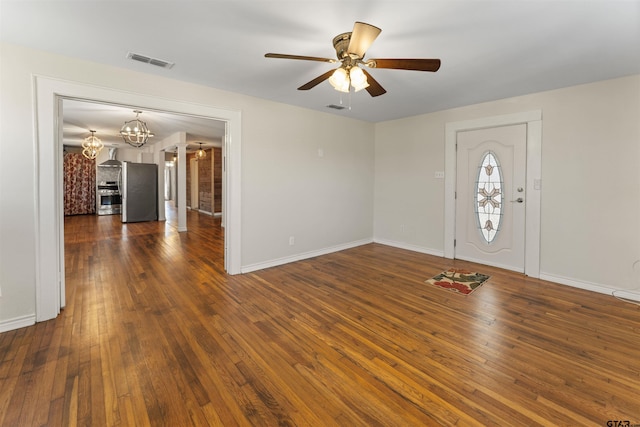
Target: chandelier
{"x":200,"y":154}
{"x":342,"y":78}
{"x":135,"y":132}
{"x":91,"y":146}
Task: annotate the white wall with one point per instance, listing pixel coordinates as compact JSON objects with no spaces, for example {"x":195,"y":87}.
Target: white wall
{"x":590,"y":230}
{"x":17,"y":212}
{"x":311,"y":183}
{"x":325,"y":202}
{"x":590,"y":174}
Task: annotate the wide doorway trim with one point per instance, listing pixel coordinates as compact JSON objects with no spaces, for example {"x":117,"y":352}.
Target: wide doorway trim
{"x":533,"y":120}
{"x":48,"y":95}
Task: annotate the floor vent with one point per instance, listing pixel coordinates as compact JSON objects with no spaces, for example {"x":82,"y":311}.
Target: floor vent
{"x":148,"y":60}
{"x":336,"y":107}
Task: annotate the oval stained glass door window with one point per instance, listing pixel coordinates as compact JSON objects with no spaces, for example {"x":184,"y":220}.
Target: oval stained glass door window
{"x":488,"y":196}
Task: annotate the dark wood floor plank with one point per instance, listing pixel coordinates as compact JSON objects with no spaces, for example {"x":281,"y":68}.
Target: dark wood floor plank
{"x":155,"y":333}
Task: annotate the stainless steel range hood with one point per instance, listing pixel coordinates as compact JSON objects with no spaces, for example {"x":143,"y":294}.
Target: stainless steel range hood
{"x":112,"y":162}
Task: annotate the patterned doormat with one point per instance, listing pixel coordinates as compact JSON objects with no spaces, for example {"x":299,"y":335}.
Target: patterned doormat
{"x":459,"y":280}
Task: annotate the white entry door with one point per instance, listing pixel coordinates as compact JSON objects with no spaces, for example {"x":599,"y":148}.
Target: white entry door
{"x":490,"y":196}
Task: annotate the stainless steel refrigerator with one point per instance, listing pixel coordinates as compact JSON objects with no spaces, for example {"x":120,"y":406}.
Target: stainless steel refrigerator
{"x":139,"y":190}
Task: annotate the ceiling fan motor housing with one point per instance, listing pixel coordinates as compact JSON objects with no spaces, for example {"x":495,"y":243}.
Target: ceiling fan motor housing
{"x":341,"y":44}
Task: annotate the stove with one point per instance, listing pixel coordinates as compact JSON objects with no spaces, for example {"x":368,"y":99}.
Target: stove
{"x":109,"y":198}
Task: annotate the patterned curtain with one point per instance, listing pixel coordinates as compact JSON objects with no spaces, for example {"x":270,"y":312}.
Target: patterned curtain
{"x":79,"y":184}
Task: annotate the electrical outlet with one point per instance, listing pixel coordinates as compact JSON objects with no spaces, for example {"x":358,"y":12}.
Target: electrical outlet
{"x":438,"y":174}
{"x":292,"y":240}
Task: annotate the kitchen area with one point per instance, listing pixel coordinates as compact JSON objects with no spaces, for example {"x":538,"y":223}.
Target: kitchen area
{"x":130,"y":189}
{"x":131,"y":169}
{"x":123,"y":188}
{"x":127,"y":189}
{"x":108,"y":195}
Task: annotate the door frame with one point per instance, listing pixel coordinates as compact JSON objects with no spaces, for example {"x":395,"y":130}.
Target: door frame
{"x":533,"y":120}
{"x":49,"y":220}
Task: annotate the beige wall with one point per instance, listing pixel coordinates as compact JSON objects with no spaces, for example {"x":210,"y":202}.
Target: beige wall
{"x":590,"y":174}
{"x":590,"y":197}
{"x":287,"y":189}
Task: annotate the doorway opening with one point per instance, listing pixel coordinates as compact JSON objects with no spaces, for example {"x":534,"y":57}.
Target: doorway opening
{"x":50,"y":219}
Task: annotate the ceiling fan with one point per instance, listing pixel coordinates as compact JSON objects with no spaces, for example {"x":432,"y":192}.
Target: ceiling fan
{"x":350,"y":49}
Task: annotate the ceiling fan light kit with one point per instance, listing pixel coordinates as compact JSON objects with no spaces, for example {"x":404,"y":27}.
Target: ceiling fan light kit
{"x":339,"y":80}
{"x":350,"y":50}
{"x":358,"y":79}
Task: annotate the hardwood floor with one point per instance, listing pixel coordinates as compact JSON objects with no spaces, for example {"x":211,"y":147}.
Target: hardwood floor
{"x":154,"y":333}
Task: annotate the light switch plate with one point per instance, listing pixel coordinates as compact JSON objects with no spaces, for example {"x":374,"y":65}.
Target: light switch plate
{"x":537,"y":184}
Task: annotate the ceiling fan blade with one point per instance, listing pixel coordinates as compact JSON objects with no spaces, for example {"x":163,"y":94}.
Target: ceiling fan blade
{"x":362,"y":36}
{"x":405,"y":64}
{"x":374,"y":87}
{"x":316,"y":81}
{"x":301,"y":57}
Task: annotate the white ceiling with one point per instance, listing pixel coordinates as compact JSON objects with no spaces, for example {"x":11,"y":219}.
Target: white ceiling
{"x":81,"y":116}
{"x":489,"y":49}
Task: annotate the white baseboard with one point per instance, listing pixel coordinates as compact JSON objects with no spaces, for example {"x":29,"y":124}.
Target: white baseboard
{"x":409,"y":247}
{"x":627,"y":294}
{"x":200,"y":211}
{"x":305,"y":255}
{"x":630,"y":294}
{"x":17,"y":323}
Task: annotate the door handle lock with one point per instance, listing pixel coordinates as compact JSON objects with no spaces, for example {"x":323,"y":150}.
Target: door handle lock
{"x":518,"y":200}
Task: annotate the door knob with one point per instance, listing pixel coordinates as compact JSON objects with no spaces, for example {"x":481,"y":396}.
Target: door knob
{"x":518,"y":200}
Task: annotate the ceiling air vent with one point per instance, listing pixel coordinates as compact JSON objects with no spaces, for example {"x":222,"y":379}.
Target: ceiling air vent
{"x":148,"y":60}
{"x":336,"y":107}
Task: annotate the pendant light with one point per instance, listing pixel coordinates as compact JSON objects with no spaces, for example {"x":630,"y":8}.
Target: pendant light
{"x":200,"y":154}
{"x":135,"y":132}
{"x":91,"y":146}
